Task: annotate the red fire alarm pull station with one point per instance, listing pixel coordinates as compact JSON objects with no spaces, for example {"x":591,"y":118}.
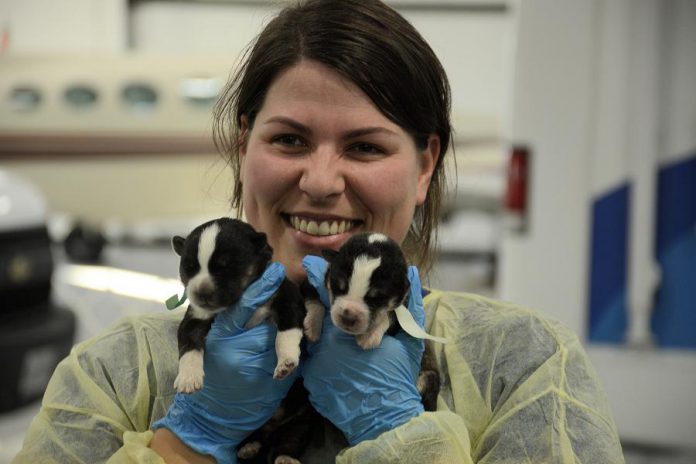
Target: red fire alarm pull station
{"x":516,"y":194}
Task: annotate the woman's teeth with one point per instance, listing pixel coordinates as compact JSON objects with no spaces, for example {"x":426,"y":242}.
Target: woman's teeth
{"x":320,"y":228}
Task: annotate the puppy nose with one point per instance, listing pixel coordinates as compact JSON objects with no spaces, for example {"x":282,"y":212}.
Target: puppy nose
{"x":348,"y":320}
{"x":204,"y":296}
{"x":205,"y":287}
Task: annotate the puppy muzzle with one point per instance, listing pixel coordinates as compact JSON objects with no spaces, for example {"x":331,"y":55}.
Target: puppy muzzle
{"x":351,"y":316}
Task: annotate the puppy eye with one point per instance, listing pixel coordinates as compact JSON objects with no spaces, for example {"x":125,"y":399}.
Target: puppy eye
{"x":339,"y":285}
{"x":190,"y":266}
{"x":225,"y":262}
{"x":375,"y":294}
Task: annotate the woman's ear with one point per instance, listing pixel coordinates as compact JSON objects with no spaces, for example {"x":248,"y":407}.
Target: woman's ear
{"x":242,"y":141}
{"x":243,"y":135}
{"x":428,"y":162}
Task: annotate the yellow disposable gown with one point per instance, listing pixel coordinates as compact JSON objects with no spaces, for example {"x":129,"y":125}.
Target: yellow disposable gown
{"x":517,"y":388}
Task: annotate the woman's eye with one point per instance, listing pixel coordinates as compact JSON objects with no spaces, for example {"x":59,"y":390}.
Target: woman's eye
{"x":366,"y":148}
{"x":290,"y":141}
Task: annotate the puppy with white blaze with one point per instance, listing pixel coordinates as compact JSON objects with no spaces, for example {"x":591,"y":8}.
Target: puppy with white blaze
{"x":367,"y":279}
{"x":219,"y":260}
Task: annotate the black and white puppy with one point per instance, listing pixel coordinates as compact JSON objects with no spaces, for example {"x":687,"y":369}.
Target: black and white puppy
{"x":367,"y":279}
{"x":219,"y":260}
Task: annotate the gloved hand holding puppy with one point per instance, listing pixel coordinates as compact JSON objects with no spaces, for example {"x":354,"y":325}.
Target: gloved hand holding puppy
{"x":239,"y":393}
{"x":362,"y":392}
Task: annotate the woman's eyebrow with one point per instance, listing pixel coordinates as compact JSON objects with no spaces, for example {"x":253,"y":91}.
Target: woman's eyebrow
{"x":299,"y":127}
{"x":356,"y":133}
{"x":351,"y":134}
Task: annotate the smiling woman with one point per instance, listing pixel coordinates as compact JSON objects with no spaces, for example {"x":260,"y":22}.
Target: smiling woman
{"x":321,"y":156}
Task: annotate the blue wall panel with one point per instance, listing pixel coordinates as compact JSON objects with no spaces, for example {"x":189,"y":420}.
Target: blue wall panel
{"x":674,"y":315}
{"x":608,"y":264}
{"x":674,"y":318}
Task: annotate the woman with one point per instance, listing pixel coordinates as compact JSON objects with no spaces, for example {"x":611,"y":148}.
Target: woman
{"x":338,"y":123}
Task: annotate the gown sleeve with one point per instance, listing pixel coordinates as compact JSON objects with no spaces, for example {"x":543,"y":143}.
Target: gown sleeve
{"x":102,"y":398}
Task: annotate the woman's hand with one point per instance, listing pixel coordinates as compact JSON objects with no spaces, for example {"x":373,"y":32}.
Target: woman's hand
{"x":363,"y":392}
{"x":239,"y":393}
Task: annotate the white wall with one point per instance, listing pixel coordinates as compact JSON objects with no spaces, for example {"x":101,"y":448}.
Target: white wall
{"x":553,"y":96}
{"x":601,"y":87}
{"x":475,"y":48}
{"x":678,"y":129}
{"x":64,"y":26}
{"x":184,"y":29}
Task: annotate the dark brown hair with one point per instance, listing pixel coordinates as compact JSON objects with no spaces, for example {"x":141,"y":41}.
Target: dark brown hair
{"x":371,"y":45}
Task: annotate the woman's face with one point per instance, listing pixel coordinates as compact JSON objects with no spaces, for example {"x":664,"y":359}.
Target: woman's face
{"x":321,"y":163}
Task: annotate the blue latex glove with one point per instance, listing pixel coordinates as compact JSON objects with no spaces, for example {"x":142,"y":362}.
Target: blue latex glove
{"x":363,"y":392}
{"x":239,"y":393}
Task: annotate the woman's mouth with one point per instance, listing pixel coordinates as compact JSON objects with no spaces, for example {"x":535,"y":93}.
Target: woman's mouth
{"x":321,"y":228}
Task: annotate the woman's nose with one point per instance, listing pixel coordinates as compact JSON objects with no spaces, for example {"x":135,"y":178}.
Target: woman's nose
{"x":322,"y":176}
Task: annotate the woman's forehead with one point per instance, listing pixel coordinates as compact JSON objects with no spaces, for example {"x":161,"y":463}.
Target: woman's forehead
{"x":315,"y":96}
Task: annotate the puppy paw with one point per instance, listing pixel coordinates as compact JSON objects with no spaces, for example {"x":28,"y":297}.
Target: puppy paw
{"x":369,"y":340}
{"x":288,"y":351}
{"x":284,"y":368}
{"x":283,"y":459}
{"x":249,"y":450}
{"x":190,"y":377}
{"x":313,"y":320}
{"x":188,"y":383}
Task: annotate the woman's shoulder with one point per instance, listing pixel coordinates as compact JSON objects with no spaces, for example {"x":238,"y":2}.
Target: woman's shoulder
{"x":157,"y":329}
{"x":512,"y":366}
{"x":468,"y":313}
{"x":138,"y":345}
{"x":498,"y":338}
{"x":504,"y":344}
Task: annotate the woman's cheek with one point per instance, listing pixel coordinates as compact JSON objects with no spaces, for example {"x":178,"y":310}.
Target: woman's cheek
{"x":393,"y":185}
{"x":389,"y":195}
{"x":265,"y":176}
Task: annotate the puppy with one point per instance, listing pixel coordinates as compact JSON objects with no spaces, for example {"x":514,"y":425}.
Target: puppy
{"x":219,"y":260}
{"x":367,"y":279}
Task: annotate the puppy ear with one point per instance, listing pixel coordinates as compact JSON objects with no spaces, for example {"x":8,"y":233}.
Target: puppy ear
{"x":329,"y":255}
{"x":258,"y":239}
{"x":260,"y":243}
{"x":178,"y":244}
